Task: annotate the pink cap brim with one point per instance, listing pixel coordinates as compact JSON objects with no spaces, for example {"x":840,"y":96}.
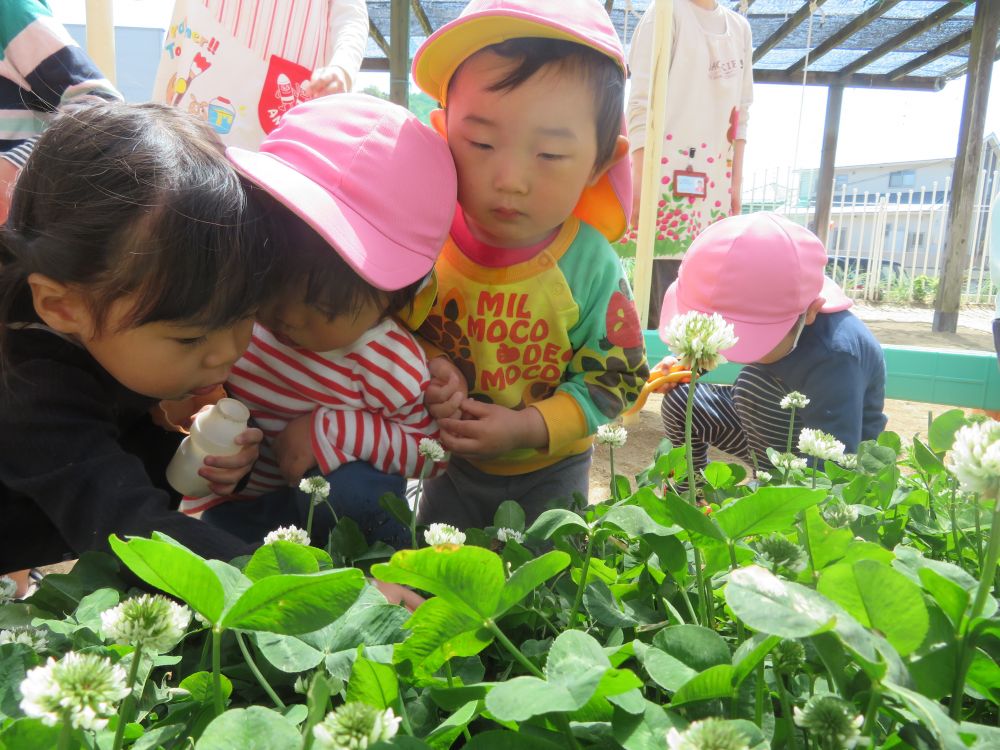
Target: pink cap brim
{"x":392,"y":266}
{"x":755,"y":339}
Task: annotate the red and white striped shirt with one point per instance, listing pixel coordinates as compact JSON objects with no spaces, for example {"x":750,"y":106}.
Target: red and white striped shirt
{"x":366,"y":400}
{"x":312,"y":33}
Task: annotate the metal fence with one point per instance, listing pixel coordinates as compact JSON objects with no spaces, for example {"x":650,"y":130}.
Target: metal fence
{"x":899,"y":232}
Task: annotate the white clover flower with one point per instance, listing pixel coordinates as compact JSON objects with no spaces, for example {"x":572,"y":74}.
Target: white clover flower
{"x":697,"y":339}
{"x":442,"y":533}
{"x":775,"y":552}
{"x":505,"y":534}
{"x":819,"y":444}
{"x":849,"y":461}
{"x":840,"y":514}
{"x":786,"y":461}
{"x":828,"y":720}
{"x":710,"y":734}
{"x":764,"y":477}
{"x":150,"y":622}
{"x":33,"y":638}
{"x":80,"y":688}
{"x":612,"y":434}
{"x":317,"y":488}
{"x":8,"y":589}
{"x":794,"y":400}
{"x":292,"y":534}
{"x":975,"y":458}
{"x":430,"y":448}
{"x":355,"y":726}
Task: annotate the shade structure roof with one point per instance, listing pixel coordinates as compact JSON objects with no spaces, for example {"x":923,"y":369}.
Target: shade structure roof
{"x":908,"y":44}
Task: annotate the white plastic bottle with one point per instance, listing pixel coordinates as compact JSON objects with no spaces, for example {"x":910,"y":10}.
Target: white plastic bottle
{"x":213,"y":433}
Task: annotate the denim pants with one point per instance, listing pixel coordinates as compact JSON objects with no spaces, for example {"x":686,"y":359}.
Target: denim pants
{"x":355,"y":489}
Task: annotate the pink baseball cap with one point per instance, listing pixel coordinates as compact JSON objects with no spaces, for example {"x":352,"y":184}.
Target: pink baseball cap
{"x":760,"y":272}
{"x":482,"y":23}
{"x":372,"y":180}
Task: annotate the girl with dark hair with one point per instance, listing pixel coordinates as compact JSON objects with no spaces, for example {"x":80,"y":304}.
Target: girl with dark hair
{"x":129,"y":274}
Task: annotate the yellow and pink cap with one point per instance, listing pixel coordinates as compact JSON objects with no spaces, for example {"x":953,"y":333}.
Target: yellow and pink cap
{"x":483,"y":23}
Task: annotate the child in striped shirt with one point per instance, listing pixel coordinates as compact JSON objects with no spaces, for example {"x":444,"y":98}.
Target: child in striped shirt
{"x":360,"y":197}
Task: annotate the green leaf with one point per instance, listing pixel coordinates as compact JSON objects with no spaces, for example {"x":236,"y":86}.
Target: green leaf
{"x":636,"y":522}
{"x":373,"y":683}
{"x":692,"y":519}
{"x":926,"y":458}
{"x":504,"y":740}
{"x":714,"y":682}
{"x":280,"y":558}
{"x":201,"y":688}
{"x":469,"y":578}
{"x":750,"y":653}
{"x":397,"y":507}
{"x":931,"y":715}
{"x":767,"y":604}
{"x":665,"y":670}
{"x":881,"y":598}
{"x":175,"y":570}
{"x":573,"y":671}
{"x":253,"y":728}
{"x":441,"y":632}
{"x":447,"y":731}
{"x":828,"y":544}
{"x":291,"y":604}
{"x":698,"y":647}
{"x":30,"y":734}
{"x":951,"y":597}
{"x":557,"y":521}
{"x":509,"y":515}
{"x":528,"y":577}
{"x":718,"y":474}
{"x":62,"y":592}
{"x":766,"y":510}
{"x":645,"y":731}
{"x":984,"y":676}
{"x":941,"y":434}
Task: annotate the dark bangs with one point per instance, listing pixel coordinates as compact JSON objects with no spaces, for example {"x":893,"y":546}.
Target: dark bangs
{"x":139,"y":200}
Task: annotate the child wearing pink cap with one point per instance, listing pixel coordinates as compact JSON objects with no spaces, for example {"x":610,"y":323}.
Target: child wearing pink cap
{"x":540,"y":338}
{"x":764,"y":275}
{"x":359,"y":197}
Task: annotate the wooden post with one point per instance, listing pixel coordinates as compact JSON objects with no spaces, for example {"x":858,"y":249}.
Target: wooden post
{"x":399,"y":53}
{"x":663,"y":23}
{"x":828,"y":158}
{"x":101,"y":36}
{"x":982,"y":50}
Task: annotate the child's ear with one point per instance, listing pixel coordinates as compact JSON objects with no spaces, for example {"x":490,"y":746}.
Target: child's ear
{"x":439,"y":121}
{"x":60,"y":306}
{"x":620,"y":152}
{"x":813,"y":310}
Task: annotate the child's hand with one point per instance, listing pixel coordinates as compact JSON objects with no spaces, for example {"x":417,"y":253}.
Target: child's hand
{"x":293,"y":449}
{"x":489,"y":430}
{"x":331,"y":79}
{"x":447,"y":389}
{"x":667,"y":366}
{"x":225,"y":472}
{"x":396,"y":594}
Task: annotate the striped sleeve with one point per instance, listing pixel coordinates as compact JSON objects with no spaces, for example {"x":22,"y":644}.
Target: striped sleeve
{"x":387,"y":433}
{"x":20,"y":153}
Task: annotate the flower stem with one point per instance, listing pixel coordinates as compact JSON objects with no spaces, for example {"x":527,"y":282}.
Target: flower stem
{"x":416,"y":506}
{"x":966,"y":647}
{"x":583,"y":580}
{"x":219,"y":701}
{"x":807,"y":544}
{"x":614,"y":484}
{"x":124,"y":713}
{"x":66,"y":733}
{"x":513,"y":650}
{"x":693,"y":495}
{"x":261,"y":679}
{"x":870,"y":725}
{"x":791,"y":430}
{"x":309,"y":519}
{"x":786,"y":712}
{"x":740,"y":634}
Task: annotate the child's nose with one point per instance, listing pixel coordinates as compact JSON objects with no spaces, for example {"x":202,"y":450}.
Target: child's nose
{"x":511,"y":177}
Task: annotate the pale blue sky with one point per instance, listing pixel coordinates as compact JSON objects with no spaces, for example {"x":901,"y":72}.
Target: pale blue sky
{"x":876,"y":126}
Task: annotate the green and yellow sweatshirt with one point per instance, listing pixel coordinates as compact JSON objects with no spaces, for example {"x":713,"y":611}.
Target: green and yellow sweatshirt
{"x":556,"y":329}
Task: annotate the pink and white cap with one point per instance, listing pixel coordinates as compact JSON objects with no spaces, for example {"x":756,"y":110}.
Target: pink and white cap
{"x":372,"y":180}
{"x":760,"y":272}
{"x":482,"y":23}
